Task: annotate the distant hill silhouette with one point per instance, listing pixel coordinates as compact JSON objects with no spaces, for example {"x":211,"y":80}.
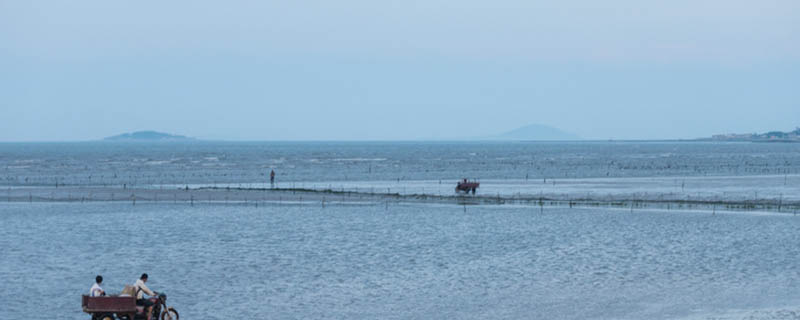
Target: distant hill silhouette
{"x":147,"y":136}
{"x":536,"y":132}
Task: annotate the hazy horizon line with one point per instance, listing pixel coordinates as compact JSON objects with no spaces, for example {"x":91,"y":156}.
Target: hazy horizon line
{"x":194,"y":140}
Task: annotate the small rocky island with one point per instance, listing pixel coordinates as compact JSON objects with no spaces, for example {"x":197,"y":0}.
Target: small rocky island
{"x":148,"y":135}
{"x":772,"y":136}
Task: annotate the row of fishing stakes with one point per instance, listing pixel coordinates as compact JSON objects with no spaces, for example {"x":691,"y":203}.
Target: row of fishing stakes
{"x":764,"y":204}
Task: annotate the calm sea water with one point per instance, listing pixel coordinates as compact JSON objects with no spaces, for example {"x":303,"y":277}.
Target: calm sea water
{"x":402,"y":261}
{"x":101,"y":163}
{"x":377,"y":261}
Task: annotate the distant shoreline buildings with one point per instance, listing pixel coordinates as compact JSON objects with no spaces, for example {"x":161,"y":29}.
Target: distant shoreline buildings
{"x":772,"y":136}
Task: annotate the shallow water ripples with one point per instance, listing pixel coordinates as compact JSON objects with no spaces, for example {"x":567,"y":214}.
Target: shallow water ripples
{"x":402,"y":261}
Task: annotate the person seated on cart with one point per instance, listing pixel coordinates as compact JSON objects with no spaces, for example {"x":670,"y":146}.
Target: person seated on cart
{"x":96,"y":290}
{"x":141,"y":289}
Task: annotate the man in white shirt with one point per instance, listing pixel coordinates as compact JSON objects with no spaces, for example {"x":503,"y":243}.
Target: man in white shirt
{"x":96,"y":290}
{"x":141,"y":289}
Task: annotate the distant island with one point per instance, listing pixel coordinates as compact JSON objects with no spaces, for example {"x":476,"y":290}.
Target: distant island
{"x":148,"y":135}
{"x":772,"y":136}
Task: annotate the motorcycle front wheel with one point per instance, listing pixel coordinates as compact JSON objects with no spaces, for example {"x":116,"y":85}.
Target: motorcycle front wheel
{"x":169,"y":314}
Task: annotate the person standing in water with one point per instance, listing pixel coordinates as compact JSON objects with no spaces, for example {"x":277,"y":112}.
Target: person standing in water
{"x":272,"y":178}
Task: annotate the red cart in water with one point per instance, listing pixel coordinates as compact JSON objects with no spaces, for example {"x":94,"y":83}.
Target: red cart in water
{"x":125,"y":308}
{"x":466,"y":186}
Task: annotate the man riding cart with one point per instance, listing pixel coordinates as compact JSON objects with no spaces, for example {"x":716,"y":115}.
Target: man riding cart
{"x":130,"y":304}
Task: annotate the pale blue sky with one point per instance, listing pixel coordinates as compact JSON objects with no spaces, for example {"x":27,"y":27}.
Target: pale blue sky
{"x":367,"y":70}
